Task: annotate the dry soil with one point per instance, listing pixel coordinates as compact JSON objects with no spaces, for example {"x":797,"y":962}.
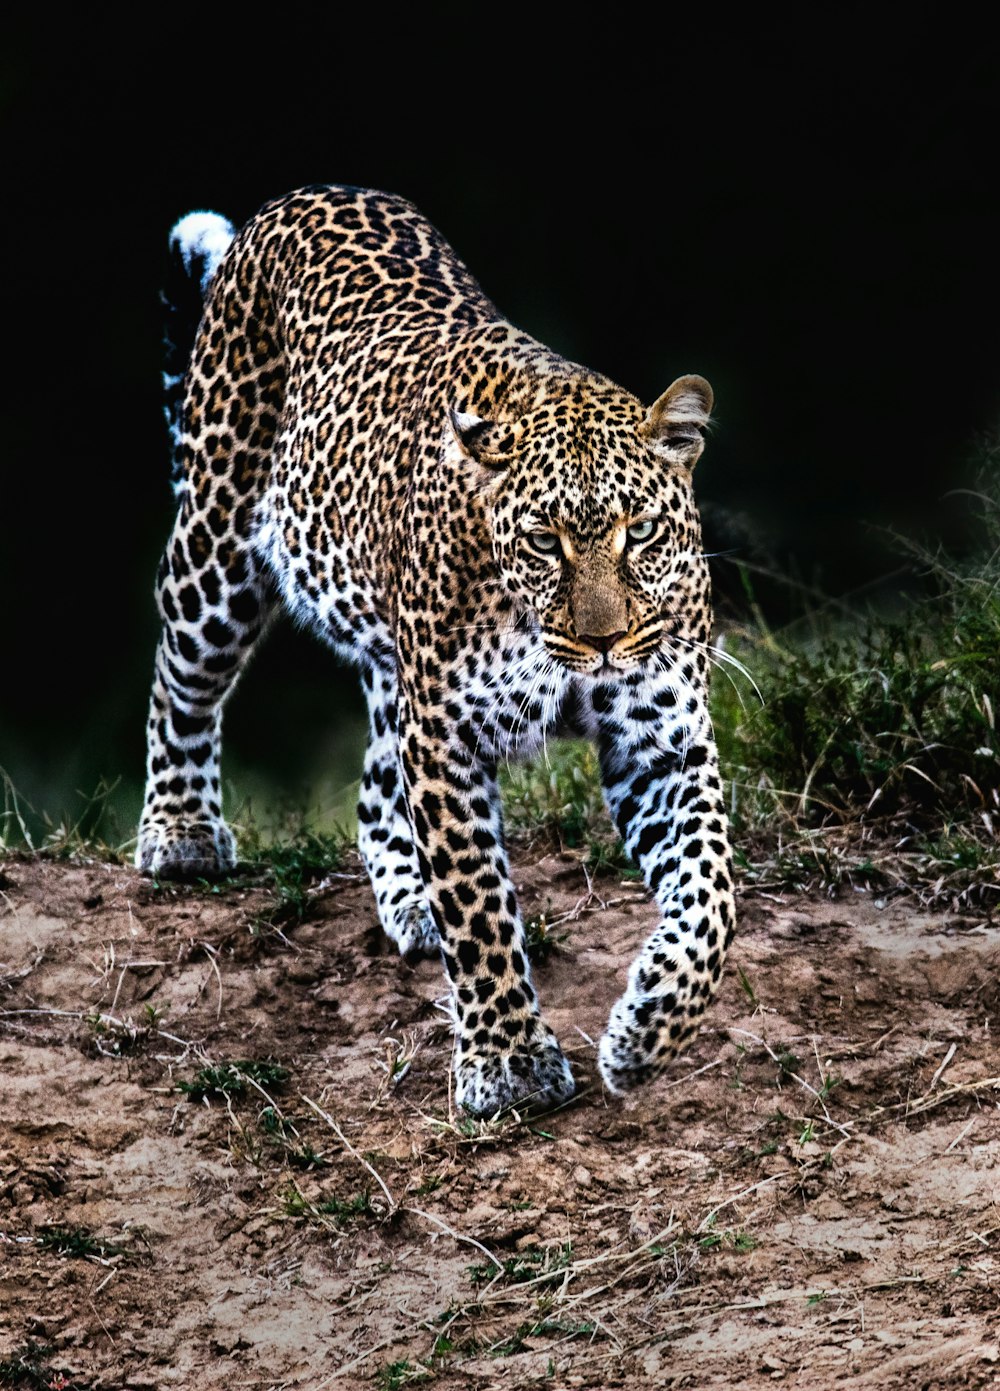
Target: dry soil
{"x":809,"y":1198}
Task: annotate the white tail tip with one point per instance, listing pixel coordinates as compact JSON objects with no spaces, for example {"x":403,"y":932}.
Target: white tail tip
{"x":204,"y":237}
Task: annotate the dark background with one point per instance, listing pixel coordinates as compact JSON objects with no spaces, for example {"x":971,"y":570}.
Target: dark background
{"x":803,"y":212}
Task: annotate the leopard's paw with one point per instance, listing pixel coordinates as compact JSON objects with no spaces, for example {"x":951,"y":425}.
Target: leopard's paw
{"x":644,"y":1033}
{"x":200,"y":849}
{"x":415,"y":932}
{"x":532,"y":1074}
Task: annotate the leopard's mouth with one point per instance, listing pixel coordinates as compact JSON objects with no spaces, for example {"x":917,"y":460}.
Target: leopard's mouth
{"x":634,"y":650}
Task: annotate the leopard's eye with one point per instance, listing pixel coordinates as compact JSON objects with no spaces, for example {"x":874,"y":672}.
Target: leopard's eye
{"x":544,"y":542}
{"x":641,"y":531}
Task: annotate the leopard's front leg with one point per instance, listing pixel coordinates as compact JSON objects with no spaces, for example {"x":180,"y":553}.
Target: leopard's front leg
{"x":385,"y":836}
{"x":504,"y":1052}
{"x":662,"y":785}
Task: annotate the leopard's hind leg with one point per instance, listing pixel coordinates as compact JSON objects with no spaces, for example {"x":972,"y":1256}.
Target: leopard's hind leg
{"x":212,"y":613}
{"x":213,"y":591}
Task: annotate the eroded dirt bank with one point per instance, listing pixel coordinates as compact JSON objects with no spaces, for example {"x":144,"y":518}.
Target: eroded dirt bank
{"x":812,"y":1198}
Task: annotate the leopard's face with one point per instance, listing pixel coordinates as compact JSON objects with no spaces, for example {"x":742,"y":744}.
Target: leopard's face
{"x":595,"y":530}
{"x":613,"y":575}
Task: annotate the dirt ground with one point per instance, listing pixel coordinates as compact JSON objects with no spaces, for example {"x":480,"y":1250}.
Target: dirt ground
{"x":812,"y":1197}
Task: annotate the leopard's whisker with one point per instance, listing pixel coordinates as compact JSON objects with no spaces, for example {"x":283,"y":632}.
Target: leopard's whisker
{"x":719,"y":654}
{"x":721,"y":660}
{"x":677,"y":691}
{"x":552,"y":694}
{"x":525,"y":705}
{"x":509,"y":678}
{"x":716,"y":655}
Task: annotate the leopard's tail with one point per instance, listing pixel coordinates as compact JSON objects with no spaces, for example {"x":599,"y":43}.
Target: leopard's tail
{"x":198,"y":243}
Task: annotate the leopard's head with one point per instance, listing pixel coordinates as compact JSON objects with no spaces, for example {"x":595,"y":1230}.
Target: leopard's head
{"x":594,"y":526}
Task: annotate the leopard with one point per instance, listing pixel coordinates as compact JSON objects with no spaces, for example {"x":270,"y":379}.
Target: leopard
{"x":506,"y":545}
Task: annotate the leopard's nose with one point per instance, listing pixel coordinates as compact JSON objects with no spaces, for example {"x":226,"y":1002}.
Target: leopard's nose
{"x":603,"y":642}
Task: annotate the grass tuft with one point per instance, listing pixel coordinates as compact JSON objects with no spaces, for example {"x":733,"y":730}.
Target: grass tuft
{"x":540,"y":938}
{"x":557,"y":797}
{"x":873,"y":761}
{"x":29,"y":1368}
{"x":76,"y":1242}
{"x":535,"y":1264}
{"x":294,"y":865}
{"x":395,"y":1375}
{"x":233,"y":1081}
{"x":92,"y":832}
{"x":329,"y":1211}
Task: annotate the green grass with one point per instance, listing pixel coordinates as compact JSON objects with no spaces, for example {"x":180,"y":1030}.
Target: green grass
{"x":557,"y":801}
{"x":234,"y":1081}
{"x":558,"y":795}
{"x":872,"y":760}
{"x":283,"y":1139}
{"x":76,"y":1242}
{"x":533,"y":1264}
{"x":896,"y":718}
{"x":294,"y":1203}
{"x":395,"y":1375}
{"x":29,"y":1368}
{"x":540,"y":939}
{"x":897,"y":713}
{"x":91,"y":831}
{"x":516,"y":1342}
{"x":293,"y":864}
{"x":730,"y":1238}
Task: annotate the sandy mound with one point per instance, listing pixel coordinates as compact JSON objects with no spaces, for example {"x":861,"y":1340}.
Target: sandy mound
{"x":810,"y":1198}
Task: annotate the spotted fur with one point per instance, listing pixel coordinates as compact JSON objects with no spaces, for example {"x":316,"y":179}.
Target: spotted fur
{"x":507,"y":545}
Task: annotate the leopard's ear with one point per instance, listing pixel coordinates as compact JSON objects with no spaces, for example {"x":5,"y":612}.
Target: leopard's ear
{"x":674,"y":423}
{"x":488,"y":442}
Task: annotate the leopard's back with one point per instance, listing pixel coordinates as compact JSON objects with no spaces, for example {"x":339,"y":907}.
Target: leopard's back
{"x":320,"y":328}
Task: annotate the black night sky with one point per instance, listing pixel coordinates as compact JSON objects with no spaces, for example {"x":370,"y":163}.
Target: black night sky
{"x":805,"y":215}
